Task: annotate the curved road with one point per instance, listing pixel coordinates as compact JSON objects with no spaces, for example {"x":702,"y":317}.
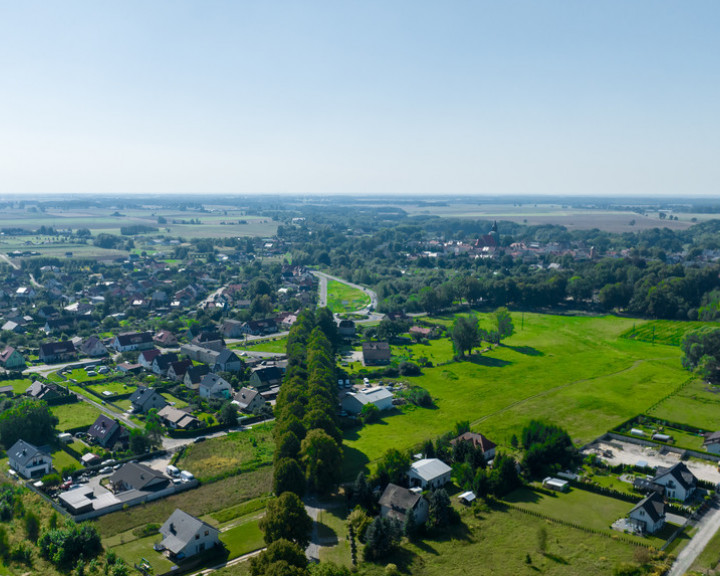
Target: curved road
{"x":368,"y":311}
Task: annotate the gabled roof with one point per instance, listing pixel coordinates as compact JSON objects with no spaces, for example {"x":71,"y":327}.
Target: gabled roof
{"x":23,"y":452}
{"x":268,"y":373}
{"x":149,"y":355}
{"x":196,"y":373}
{"x":245,"y":397}
{"x":130,"y":338}
{"x":398,"y":498}
{"x":653,"y":506}
{"x":211,"y":380}
{"x":53,"y":348}
{"x":180,"y":529}
{"x":39,"y":390}
{"x":713,"y":438}
{"x":143,"y":395}
{"x":477,"y":439}
{"x":430,"y":468}
{"x":5,"y":354}
{"x":138,"y":476}
{"x":226,"y":356}
{"x":178,"y":417}
{"x":163,"y":361}
{"x":103,"y":428}
{"x":679,"y":473}
{"x":181,"y":366}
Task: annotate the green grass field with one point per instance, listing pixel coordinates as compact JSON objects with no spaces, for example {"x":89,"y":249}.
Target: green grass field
{"x":578,"y":372}
{"x":62,"y":459}
{"x":215,"y":457}
{"x":205,"y":499}
{"x":278,"y":346}
{"x":697,"y":404}
{"x":243,"y":538}
{"x":342,"y":298}
{"x":75,"y":415}
{"x":663,"y":331}
{"x":114,"y":387}
{"x":19,"y":386}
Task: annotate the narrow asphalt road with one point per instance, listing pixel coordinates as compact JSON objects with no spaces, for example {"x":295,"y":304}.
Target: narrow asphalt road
{"x":708,"y":525}
{"x":368,"y":311}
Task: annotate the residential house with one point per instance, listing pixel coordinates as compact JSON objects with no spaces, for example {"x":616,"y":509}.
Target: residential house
{"x":161,"y":364}
{"x":396,"y":502}
{"x":265,"y":377}
{"x":28,"y":460}
{"x":194,"y":376}
{"x":106,"y":432}
{"x":232,"y":328}
{"x":346,"y":328}
{"x":178,"y":369}
{"x":62,"y":325}
{"x":227,"y":361}
{"x":93,"y":347}
{"x":11,"y":359}
{"x":147,"y":357}
{"x":712,"y":443}
{"x":131,"y":341}
{"x":205,"y":338}
{"x":353,"y":402}
{"x":678,"y":481}
{"x":13,"y":326}
{"x":145,"y":399}
{"x":248,"y":400}
{"x":213,"y":386}
{"x":260,"y":327}
{"x":178,"y":419}
{"x":47,"y":392}
{"x":200,"y":353}
{"x":479,"y":442}
{"x":133,"y":476}
{"x":185,"y":536}
{"x":57,"y":352}
{"x":649,"y":513}
{"x":165,"y":338}
{"x":429,"y":473}
{"x":375,"y":353}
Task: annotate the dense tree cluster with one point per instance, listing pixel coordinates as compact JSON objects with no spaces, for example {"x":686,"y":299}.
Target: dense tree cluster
{"x":63,"y":546}
{"x":28,"y":419}
{"x":548,"y":448}
{"x":701,"y":353}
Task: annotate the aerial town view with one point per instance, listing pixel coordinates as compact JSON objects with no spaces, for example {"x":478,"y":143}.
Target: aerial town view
{"x":335,"y":288}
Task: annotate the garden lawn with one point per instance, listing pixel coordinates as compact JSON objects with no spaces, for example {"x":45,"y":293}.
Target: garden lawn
{"x":237,"y":451}
{"x":173,"y":400}
{"x":80,"y":375}
{"x":19,"y":386}
{"x":114,"y":387}
{"x":577,"y":372}
{"x":243,"y":538}
{"x":279,"y":346}
{"x":342,"y":298}
{"x":136,"y":551}
{"x":696,"y":404}
{"x":79,"y":414}
{"x":62,"y":460}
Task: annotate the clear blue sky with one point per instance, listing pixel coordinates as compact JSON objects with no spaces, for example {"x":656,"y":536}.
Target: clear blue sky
{"x":378,"y":97}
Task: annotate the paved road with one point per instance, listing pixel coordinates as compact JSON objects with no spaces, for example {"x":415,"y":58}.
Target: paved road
{"x":708,"y":525}
{"x":6,"y":259}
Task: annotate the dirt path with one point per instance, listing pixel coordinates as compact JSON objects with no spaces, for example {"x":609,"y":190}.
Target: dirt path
{"x":708,"y":525}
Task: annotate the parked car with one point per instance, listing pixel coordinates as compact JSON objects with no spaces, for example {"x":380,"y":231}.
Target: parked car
{"x":106,"y":470}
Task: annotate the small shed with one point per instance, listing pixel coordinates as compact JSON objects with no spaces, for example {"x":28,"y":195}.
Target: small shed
{"x":637,"y":432}
{"x":467,"y":498}
{"x":556,"y":484}
{"x":662,"y":437}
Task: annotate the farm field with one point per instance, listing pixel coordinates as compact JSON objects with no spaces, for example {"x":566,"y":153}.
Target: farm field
{"x":237,"y":451}
{"x":75,"y":415}
{"x":697,"y":404}
{"x":662,"y":331}
{"x":342,"y":298}
{"x":577,"y":372}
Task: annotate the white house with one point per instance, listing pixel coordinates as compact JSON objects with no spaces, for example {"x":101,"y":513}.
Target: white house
{"x":28,"y":460}
{"x":678,"y":481}
{"x":649,"y":513}
{"x":353,"y":402}
{"x":184,"y":535}
{"x":396,"y":502}
{"x":213,"y":386}
{"x":429,"y":473}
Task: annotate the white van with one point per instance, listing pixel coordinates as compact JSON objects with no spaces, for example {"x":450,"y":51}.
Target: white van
{"x":172,"y":471}
{"x":186,"y":476}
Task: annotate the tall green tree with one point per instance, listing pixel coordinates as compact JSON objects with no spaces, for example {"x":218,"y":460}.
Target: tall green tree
{"x":322,"y":458}
{"x":30,"y":420}
{"x":465,"y":334}
{"x":286,"y":518}
{"x":503,"y":323}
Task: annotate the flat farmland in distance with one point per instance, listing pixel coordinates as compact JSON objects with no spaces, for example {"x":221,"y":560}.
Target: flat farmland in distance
{"x":571,"y":218}
{"x":578,"y":372}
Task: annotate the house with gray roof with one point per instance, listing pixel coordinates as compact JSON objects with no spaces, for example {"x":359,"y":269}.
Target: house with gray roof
{"x":429,"y":473}
{"x":266,"y":376}
{"x":185,"y":536}
{"x":396,"y":502}
{"x":194,"y":375}
{"x":649,"y":514}
{"x":712,"y":443}
{"x":227,"y":361}
{"x":48,"y":392}
{"x":248,"y":400}
{"x":29,"y":461}
{"x":105,"y":431}
{"x":133,"y":476}
{"x":678,"y":481}
{"x":353,"y":402}
{"x":145,"y":399}
{"x":213,"y":386}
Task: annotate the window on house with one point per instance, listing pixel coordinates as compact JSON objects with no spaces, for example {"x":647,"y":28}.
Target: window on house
{"x":197,"y":536}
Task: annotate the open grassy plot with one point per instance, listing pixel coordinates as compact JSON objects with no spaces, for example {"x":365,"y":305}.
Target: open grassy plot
{"x":577,"y":372}
{"x":75,"y":415}
{"x":278,"y":345}
{"x":245,"y":450}
{"x":80,"y":375}
{"x":206,"y":499}
{"x":343,"y":298}
{"x":228,"y":514}
{"x":499,"y":542}
{"x":710,"y":557}
{"x":19,"y":386}
{"x":663,"y":331}
{"x":62,"y":460}
{"x":243,"y":538}
{"x":174,"y":400}
{"x":697,"y":404}
{"x":114,"y":387}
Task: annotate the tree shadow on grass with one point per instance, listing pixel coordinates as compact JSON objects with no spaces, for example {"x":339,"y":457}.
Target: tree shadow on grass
{"x":523,"y":495}
{"x":326,"y":536}
{"x":402,"y":558}
{"x":425,"y":547}
{"x":354,"y":461}
{"x":458,"y":531}
{"x":556,"y":558}
{"x":481,"y":360}
{"x":527,"y":350}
